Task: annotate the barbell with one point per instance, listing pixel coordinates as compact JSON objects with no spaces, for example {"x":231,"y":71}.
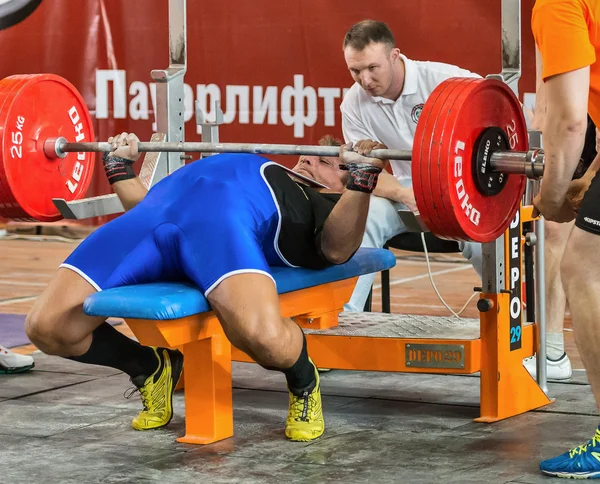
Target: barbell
{"x":470,"y":142}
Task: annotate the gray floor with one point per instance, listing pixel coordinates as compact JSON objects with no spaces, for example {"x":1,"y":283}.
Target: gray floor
{"x":66,"y":422}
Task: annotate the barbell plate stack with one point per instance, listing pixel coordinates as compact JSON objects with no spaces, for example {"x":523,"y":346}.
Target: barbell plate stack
{"x":33,"y":108}
{"x":8,"y":207}
{"x":444,"y":115}
{"x":435,"y":188}
{"x":445,"y":157}
{"x":422,"y":151}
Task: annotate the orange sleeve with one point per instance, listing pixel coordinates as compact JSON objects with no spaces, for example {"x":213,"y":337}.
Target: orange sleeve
{"x":561,"y":33}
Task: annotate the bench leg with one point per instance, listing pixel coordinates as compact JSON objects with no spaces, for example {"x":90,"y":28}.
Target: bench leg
{"x":385,"y":291}
{"x":148,"y":334}
{"x":208,"y":394}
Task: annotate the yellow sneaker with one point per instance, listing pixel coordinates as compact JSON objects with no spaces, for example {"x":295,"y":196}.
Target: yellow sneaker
{"x":305,"y":415}
{"x":157,"y":391}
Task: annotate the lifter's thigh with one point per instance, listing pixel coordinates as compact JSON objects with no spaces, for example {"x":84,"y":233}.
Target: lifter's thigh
{"x":248,"y":307}
{"x":56,"y":323}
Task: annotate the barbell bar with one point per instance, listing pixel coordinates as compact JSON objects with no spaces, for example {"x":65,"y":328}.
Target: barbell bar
{"x":530,"y":163}
{"x":469,"y":141}
{"x":57,"y":147}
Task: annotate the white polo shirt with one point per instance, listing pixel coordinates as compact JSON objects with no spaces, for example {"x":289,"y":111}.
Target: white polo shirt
{"x":393,"y":123}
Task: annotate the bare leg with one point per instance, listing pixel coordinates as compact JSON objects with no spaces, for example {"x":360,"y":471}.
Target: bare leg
{"x":556,"y":240}
{"x":57,"y":324}
{"x":248,"y":307}
{"x":581,"y":280}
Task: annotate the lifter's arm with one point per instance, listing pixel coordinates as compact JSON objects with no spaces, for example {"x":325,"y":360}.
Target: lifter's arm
{"x":130,"y":192}
{"x":344,"y":228}
{"x":118,"y":167}
{"x":564,"y":135}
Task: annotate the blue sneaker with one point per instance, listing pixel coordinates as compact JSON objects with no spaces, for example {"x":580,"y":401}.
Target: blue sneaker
{"x":582,"y":462}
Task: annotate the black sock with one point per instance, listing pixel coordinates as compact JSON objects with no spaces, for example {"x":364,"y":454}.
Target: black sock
{"x":111,"y":348}
{"x":301,"y":376}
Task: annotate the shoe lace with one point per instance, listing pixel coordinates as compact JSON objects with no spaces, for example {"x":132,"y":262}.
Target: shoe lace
{"x":582,"y":448}
{"x":304,"y":406}
{"x":143,"y":395}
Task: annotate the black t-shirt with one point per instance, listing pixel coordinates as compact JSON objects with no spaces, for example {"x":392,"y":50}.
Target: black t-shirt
{"x":303,"y":214}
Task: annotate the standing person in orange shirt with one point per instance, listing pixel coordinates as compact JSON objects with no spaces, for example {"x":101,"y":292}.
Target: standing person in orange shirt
{"x":567,"y":33}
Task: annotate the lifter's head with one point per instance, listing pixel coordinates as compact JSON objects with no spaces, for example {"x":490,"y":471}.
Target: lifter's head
{"x":373,"y":59}
{"x":323,"y":169}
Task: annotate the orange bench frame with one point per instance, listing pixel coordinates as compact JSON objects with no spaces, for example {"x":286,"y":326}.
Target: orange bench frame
{"x":208,"y":354}
{"x":507,"y":389}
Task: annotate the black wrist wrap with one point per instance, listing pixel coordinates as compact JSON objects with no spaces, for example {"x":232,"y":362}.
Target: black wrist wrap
{"x":363,"y":177}
{"x":117,"y":169}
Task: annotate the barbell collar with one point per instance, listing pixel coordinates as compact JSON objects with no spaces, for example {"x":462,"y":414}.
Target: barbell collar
{"x":52,"y":148}
{"x":529,"y":163}
{"x":258,"y":149}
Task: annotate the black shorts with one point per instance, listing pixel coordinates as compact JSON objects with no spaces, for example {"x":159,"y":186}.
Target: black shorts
{"x":588,"y":218}
{"x":589,"y":150}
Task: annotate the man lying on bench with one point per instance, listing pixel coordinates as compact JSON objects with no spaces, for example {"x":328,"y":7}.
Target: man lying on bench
{"x":219,"y":222}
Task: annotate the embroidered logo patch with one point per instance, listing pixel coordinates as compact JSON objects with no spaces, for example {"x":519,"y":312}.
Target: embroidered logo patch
{"x":415,"y":114}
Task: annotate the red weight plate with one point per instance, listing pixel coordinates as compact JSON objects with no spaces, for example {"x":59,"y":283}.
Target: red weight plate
{"x":482,"y":104}
{"x":437,"y":191}
{"x":421,"y":162}
{"x":8,"y":207}
{"x":43,"y":106}
{"x":449,"y":154}
{"x":445,"y":123}
{"x":510,"y":115}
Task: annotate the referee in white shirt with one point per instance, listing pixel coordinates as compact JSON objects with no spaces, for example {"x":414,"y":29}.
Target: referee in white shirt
{"x":384,"y":105}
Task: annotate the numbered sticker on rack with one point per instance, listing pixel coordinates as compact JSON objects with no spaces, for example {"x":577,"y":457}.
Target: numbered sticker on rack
{"x":434,"y":355}
{"x":514,"y":281}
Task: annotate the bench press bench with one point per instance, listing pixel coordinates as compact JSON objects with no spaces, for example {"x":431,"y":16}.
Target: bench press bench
{"x":177,"y":315}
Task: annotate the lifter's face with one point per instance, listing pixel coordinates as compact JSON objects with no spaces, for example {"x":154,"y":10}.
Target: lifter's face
{"x":375,"y":68}
{"x":323,"y":169}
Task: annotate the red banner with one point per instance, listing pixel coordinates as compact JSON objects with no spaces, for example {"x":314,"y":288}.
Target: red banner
{"x":276,"y":67}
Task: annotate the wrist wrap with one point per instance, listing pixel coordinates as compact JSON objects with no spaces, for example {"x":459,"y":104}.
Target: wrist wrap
{"x":117,"y":168}
{"x":363,"y":177}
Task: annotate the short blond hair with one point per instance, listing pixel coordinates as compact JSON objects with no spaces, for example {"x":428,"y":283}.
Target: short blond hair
{"x":330,"y":140}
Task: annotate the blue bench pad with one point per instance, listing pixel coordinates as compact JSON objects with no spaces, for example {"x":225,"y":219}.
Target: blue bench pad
{"x":173,"y":300}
